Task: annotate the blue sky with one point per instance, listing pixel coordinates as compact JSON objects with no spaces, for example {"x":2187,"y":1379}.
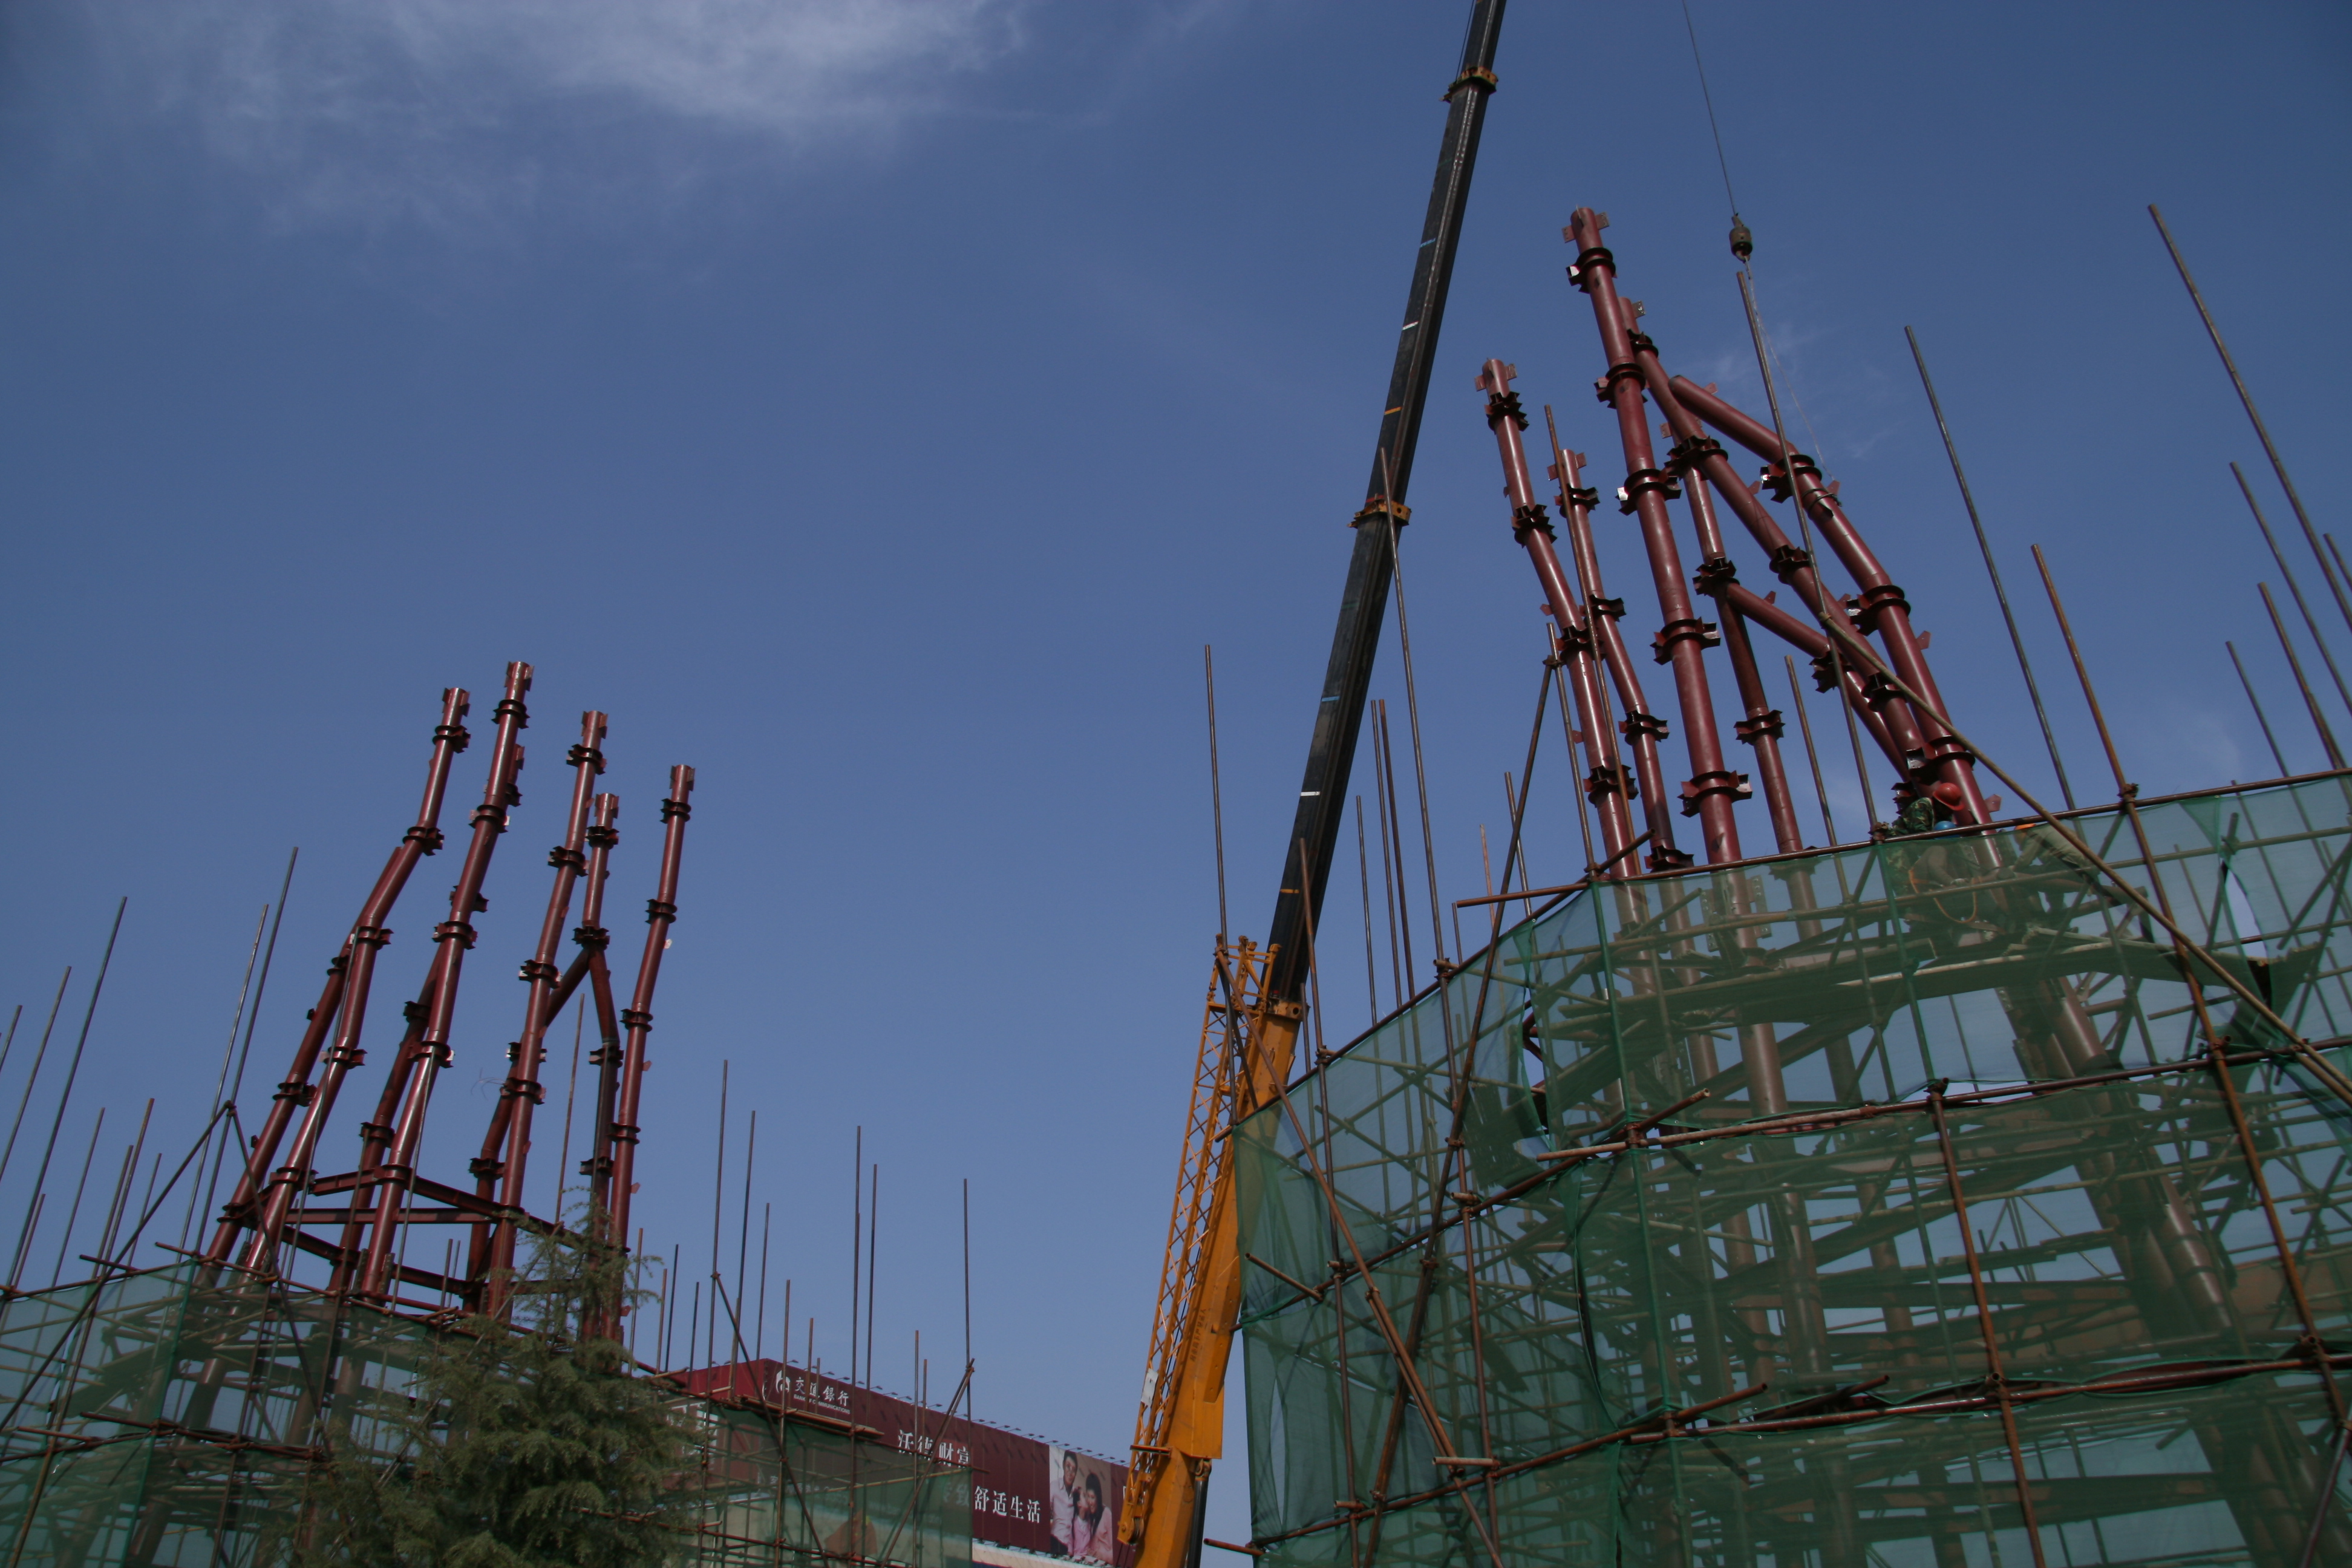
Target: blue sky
{"x":878,"y":405}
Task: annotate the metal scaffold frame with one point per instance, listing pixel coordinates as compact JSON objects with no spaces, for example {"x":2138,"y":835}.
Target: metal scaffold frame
{"x":2018,"y":1242}
{"x":273,"y":1212}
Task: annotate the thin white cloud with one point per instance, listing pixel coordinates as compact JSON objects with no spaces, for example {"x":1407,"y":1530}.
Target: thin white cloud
{"x":459,"y":111}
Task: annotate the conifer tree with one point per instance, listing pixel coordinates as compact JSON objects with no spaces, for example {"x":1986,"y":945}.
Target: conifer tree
{"x":521,"y":1444}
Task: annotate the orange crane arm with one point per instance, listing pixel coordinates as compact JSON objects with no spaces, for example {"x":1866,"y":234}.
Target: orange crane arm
{"x":1250,"y":1029}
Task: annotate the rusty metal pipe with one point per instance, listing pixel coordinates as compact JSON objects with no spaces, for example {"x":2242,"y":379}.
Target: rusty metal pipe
{"x":1881,"y":607}
{"x":1642,"y":730}
{"x":1808,"y":637}
{"x":506,"y":1147}
{"x":368,"y":934}
{"x":1712,"y":788}
{"x":1532,"y":529}
{"x":453,"y":937}
{"x":1760,"y":729}
{"x":661,"y":913}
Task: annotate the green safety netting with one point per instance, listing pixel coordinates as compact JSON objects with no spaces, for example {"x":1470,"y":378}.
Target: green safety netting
{"x":167,"y":1417}
{"x":1888,"y":1037}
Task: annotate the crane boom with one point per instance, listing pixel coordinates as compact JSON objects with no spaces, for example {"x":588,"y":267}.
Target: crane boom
{"x":1251,"y":1029}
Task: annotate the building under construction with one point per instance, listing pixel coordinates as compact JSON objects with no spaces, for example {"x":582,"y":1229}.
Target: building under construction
{"x":1969,"y":1192}
{"x":177,"y":1415}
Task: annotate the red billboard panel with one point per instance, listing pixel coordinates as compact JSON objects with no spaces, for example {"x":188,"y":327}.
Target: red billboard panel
{"x":1025,"y":1492}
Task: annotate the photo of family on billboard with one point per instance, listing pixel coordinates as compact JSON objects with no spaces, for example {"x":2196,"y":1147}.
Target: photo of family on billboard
{"x":1085,"y":1493}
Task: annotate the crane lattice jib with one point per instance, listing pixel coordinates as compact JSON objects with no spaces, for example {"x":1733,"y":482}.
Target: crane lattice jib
{"x":1227,"y":1018}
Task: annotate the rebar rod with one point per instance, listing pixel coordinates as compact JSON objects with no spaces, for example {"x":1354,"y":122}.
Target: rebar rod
{"x":2256,"y":703}
{"x":2278,"y":465}
{"x":1746,"y":431}
{"x":73,"y":1071}
{"x":116,"y":1214}
{"x":1364,"y":876}
{"x":1993,"y":568}
{"x":1805,"y":726}
{"x":1216,"y":786}
{"x":81,"y":1184}
{"x":717,"y":1200}
{"x":2293,"y":587}
{"x":2302,"y":684}
{"x":25,"y":1100}
{"x":1419,"y":763}
{"x":1403,"y":888}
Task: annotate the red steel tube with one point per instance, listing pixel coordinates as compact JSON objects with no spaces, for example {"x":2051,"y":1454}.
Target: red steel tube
{"x":506,"y":1147}
{"x":345,"y":996}
{"x":1761,"y":727}
{"x":594,"y":940}
{"x":1809,"y":638}
{"x":661,"y":913}
{"x":453,"y":937}
{"x":1642,"y":730}
{"x":1532,"y":528}
{"x":1882,"y":607}
{"x":1712,"y":788}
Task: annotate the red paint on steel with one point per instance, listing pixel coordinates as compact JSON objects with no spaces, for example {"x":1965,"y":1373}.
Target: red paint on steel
{"x":422,"y":1062}
{"x":262,"y":1195}
{"x":1712,"y":788}
{"x":504,"y":1162}
{"x":1529,"y":525}
{"x":661,"y":912}
{"x":1880,"y":606}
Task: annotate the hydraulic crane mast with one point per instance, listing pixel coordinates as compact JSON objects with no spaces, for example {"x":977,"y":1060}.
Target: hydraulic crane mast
{"x":1253,"y":1017}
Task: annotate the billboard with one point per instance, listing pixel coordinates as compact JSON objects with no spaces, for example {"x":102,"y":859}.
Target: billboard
{"x":1026,"y":1493}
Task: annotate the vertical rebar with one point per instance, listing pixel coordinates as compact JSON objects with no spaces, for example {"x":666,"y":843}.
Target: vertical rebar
{"x":1992,"y":570}
{"x":1217,"y":787}
{"x":2081,"y":671}
{"x":244,"y":1051}
{"x":89,"y":1156}
{"x":759,"y":1325}
{"x":873,"y":1247}
{"x":2278,"y":463}
{"x":9,"y":1042}
{"x":2260,"y":718}
{"x":1364,"y":876}
{"x":2310,"y":698}
{"x":967,"y":1293}
{"x":1420,"y":764}
{"x":743,"y":1231}
{"x":1384,"y":800}
{"x":1821,"y":607}
{"x":1805,"y":725}
{"x":2286,"y":572}
{"x":717,"y":1201}
{"x":1403,"y":905}
{"x":1994,"y":1373}
{"x":857,"y":1242}
{"x":130,"y":1167}
{"x":23,"y":1101}
{"x":73,"y":1071}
